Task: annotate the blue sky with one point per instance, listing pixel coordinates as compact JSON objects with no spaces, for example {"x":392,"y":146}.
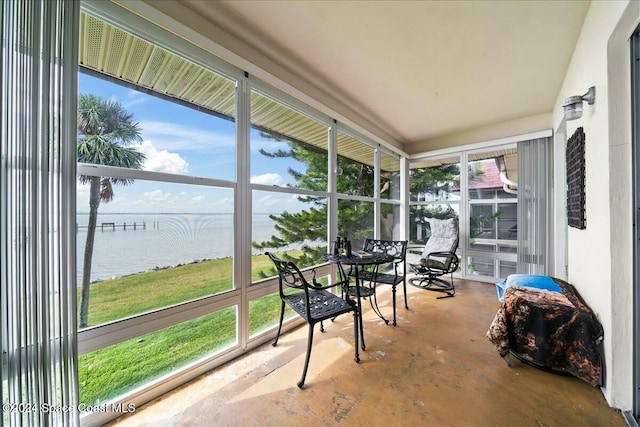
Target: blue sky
{"x":181,"y":140}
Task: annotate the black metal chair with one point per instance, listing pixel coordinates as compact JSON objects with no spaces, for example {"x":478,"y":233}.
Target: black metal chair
{"x":394,"y":275}
{"x":314,"y":303}
{"x":438,"y":258}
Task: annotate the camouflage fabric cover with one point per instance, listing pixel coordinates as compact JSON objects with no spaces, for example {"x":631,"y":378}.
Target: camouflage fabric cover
{"x":551,"y":330}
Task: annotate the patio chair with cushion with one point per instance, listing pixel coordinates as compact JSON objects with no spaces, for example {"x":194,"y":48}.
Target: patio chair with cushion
{"x":313,"y":302}
{"x":438,"y":258}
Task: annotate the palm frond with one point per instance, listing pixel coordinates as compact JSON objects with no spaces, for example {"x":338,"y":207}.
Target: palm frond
{"x":106,"y":190}
{"x":105,"y":128}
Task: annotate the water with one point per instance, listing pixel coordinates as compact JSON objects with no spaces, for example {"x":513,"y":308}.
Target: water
{"x":165,"y":240}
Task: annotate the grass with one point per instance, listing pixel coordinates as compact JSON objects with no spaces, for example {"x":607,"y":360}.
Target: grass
{"x":114,"y":370}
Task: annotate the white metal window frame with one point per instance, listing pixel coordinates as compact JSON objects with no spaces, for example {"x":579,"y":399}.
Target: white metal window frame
{"x":495,"y":256}
{"x":446,"y":155}
{"x":268,"y":286}
{"x":104,"y":335}
{"x":107,"y":334}
{"x":633,"y":417}
{"x":379,"y":201}
{"x":376,"y":199}
{"x":463,"y":152}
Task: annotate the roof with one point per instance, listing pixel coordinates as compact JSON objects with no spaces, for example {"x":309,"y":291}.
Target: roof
{"x":490,"y":177}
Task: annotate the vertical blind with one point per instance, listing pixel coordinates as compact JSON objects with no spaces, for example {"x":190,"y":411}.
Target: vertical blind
{"x":37,"y":236}
{"x":534,"y":204}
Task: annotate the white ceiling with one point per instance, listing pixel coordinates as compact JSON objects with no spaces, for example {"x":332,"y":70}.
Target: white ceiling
{"x":417,"y":69}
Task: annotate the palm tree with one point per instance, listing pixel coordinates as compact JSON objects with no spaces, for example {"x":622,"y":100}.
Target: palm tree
{"x":104,"y":131}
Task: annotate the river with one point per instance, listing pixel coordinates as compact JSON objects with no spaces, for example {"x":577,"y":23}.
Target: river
{"x":159,"y":241}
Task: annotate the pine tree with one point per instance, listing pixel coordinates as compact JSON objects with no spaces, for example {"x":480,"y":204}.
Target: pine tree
{"x":309,"y":227}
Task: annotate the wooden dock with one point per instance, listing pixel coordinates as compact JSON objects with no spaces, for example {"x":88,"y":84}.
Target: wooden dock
{"x":112,"y":226}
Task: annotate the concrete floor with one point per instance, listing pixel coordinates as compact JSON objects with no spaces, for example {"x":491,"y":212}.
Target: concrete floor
{"x":435,"y":368}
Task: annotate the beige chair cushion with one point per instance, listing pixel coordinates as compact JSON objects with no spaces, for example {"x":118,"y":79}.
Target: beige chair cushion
{"x":444,"y":238}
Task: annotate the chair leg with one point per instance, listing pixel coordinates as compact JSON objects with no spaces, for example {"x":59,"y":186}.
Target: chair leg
{"x":280,"y":324}
{"x":447,"y":287}
{"x":422,"y":281}
{"x":434,"y":283}
{"x":308,"y":356}
{"x":404,"y":288}
{"x":393,"y":298}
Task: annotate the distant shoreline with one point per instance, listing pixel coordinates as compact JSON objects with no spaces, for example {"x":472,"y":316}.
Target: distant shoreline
{"x":164,"y":241}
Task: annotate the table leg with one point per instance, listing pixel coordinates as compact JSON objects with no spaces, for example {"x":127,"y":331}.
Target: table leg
{"x":374,"y":303}
{"x":358,"y":314}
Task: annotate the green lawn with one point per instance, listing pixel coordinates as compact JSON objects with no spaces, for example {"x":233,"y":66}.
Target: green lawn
{"x":108,"y":372}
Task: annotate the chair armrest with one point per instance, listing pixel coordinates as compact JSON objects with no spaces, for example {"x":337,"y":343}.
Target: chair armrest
{"x":399,"y":263}
{"x":317,"y":285}
{"x":451,"y":262}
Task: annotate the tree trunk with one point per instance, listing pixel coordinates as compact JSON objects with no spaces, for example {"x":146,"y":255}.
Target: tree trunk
{"x":94,"y":203}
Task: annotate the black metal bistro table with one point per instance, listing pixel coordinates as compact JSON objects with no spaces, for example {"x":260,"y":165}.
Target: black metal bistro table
{"x":369,"y":259}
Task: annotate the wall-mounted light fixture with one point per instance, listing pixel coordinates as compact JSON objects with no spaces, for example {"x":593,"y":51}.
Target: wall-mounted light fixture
{"x":573,"y":105}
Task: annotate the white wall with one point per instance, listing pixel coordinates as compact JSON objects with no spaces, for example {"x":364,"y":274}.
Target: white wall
{"x":599,"y":258}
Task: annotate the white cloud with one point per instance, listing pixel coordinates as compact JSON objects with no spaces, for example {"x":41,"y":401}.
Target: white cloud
{"x":173,"y":136}
{"x":133,"y":98}
{"x":275,"y":203}
{"x":156,"y":197}
{"x":162,"y":160}
{"x":267,"y":202}
{"x":224,"y":204}
{"x":267,"y":179}
{"x":168,"y":201}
